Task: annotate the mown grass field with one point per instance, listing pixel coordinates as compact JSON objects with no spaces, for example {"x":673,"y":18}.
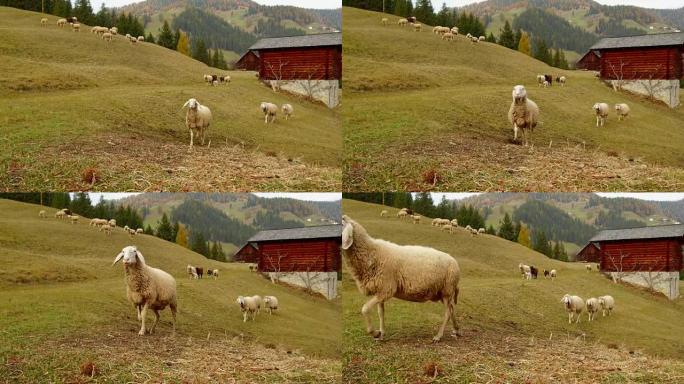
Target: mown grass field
{"x":63,"y":304}
{"x":416,"y":106}
{"x":513,"y":331}
{"x":71,"y":102}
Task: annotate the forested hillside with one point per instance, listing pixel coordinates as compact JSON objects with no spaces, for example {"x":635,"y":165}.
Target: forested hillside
{"x":212,"y":30}
{"x":555,"y":30}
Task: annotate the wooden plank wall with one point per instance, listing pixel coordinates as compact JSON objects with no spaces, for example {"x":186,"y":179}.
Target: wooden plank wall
{"x":318,"y":63}
{"x":642,"y":255}
{"x":663,"y":63}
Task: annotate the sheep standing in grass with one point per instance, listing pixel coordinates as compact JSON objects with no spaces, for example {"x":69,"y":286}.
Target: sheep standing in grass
{"x":607,"y":303}
{"x":107,"y":229}
{"x":42,"y":214}
{"x":622,"y":111}
{"x":552,"y":274}
{"x":417,"y":27}
{"x":592,"y":307}
{"x":287,"y":110}
{"x":74,"y":219}
{"x":525,"y":271}
{"x":147,"y":287}
{"x":448,"y":36}
{"x":76,"y":27}
{"x":259,"y":303}
{"x":141,"y":39}
{"x":402,"y":214}
{"x":523,"y":114}
{"x":112,"y":222}
{"x":482,"y":38}
{"x":192,"y":272}
{"x":481,"y":231}
{"x":601,"y":111}
{"x":448,"y":227}
{"x":402,"y":22}
{"x":107,"y":36}
{"x":562,"y":80}
{"x":270,"y":303}
{"x":61,"y":22}
{"x":248,"y":306}
{"x":384,"y":270}
{"x":416,"y":219}
{"x":384,"y":213}
{"x":44,"y":22}
{"x":270,"y":110}
{"x":574,"y":305}
{"x":60,"y":215}
{"x":540,"y":80}
{"x":454,"y":30}
{"x":588,"y":266}
{"x":197,"y":119}
{"x":384,"y":21}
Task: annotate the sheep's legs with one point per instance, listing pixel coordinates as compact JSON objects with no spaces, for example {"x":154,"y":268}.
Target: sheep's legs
{"x":137,"y":310}
{"x":570,"y":318}
{"x":515,"y":132}
{"x":454,"y":321}
{"x":143,"y":314}
{"x":192,"y":136}
{"x":447,"y":315}
{"x":381,"y":316}
{"x":173,"y":314}
{"x":156,"y":320}
{"x":365,"y":311}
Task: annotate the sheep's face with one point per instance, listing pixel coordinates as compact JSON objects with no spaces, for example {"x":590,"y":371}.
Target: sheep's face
{"x":130,"y":256}
{"x":602,"y":301}
{"x":192,"y":104}
{"x":597,"y":107}
{"x":264,"y":106}
{"x":347,"y":232}
{"x":566,"y":300}
{"x":240,"y":301}
{"x":618,"y":108}
{"x":267,"y":300}
{"x":519,"y":94}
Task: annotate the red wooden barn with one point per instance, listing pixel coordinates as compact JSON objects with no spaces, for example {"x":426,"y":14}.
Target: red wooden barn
{"x":307,"y":57}
{"x":248,"y":62}
{"x":591,"y":61}
{"x":654,"y":57}
{"x":657,"y":248}
{"x":306,"y":249}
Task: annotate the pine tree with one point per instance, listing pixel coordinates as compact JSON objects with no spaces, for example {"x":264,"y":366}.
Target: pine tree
{"x":176,"y":38}
{"x":555,"y":61}
{"x":507,"y":38}
{"x":215,"y":59}
{"x":524,"y":44}
{"x":198,"y":243}
{"x":401,"y":9}
{"x":83,"y":11}
{"x":491,"y":230}
{"x":150,"y":38}
{"x":165,"y":38}
{"x":524,"y":236}
{"x":182,"y":237}
{"x":443,"y":16}
{"x":507,"y":230}
{"x":424,"y":12}
{"x":491,"y":38}
{"x":541,"y":244}
{"x":164,"y":229}
{"x":149,"y":230}
{"x":518,"y":36}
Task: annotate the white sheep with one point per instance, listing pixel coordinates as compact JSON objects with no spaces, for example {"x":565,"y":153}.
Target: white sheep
{"x":76,"y":27}
{"x":523,"y":114}
{"x":208,"y":78}
{"x":436,"y":222}
{"x":107,"y":36}
{"x":417,"y":27}
{"x":385,"y":21}
{"x":541,"y":79}
{"x":562,"y":80}
{"x":44,"y":22}
{"x":454,"y":222}
{"x":546,"y":84}
{"x":61,"y":22}
{"x":287,"y":110}
{"x":197,"y":119}
{"x":402,"y":214}
{"x":592,"y":307}
{"x":270,"y":303}
{"x":622,"y":111}
{"x":114,"y":30}
{"x":588,"y":267}
{"x":384,"y":213}
{"x":384,"y":270}
{"x":112,"y":222}
{"x":482,"y":38}
{"x":60,"y":215}
{"x":147,"y":287}
{"x":607,"y":303}
{"x":448,"y":36}
{"x":436,"y":29}
{"x":552,"y":274}
{"x":192,"y":272}
{"x":448,"y":227}
{"x":248,"y":306}
{"x":525,"y":270}
{"x":601,"y":111}
{"x":259,"y":303}
{"x":574,"y":305}
{"x":42,"y":214}
{"x":402,"y":22}
{"x":481,"y":231}
{"x":416,"y":219}
{"x":454,"y":30}
{"x":139,"y":231}
{"x":106,"y":228}
{"x":141,"y":39}
{"x":73,"y":218}
{"x":269,"y":110}
{"x":474,"y":39}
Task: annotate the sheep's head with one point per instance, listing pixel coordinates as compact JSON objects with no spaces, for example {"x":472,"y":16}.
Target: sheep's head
{"x":192,"y":104}
{"x":519,"y":94}
{"x":130,"y":256}
{"x":602,"y":301}
{"x":267,"y":299}
{"x":264,"y":106}
{"x":241,"y":301}
{"x":566,"y":300}
{"x":597,"y":107}
{"x":618,"y":107}
{"x":347,"y":232}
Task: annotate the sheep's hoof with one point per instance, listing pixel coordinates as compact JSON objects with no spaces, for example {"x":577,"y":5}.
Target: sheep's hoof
{"x":436,"y":339}
{"x":142,"y":332}
{"x":377,"y":335}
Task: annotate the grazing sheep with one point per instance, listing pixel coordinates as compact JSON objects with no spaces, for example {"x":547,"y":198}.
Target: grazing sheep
{"x":192,"y":272}
{"x":131,"y":232}
{"x":200,"y":272}
{"x":71,"y":20}
{"x":417,"y":27}
{"x":215,"y":83}
{"x":107,"y":229}
{"x":448,"y":36}
{"x":384,"y":21}
{"x":454,"y":222}
{"x":553,"y":274}
{"x":269,"y":110}
{"x":141,"y":39}
{"x":437,"y":29}
{"x":592,"y":307}
{"x":114,"y":30}
{"x":259,"y":303}
{"x":139,"y":231}
{"x":384,"y":270}
{"x":546,"y":84}
{"x":574,"y":305}
{"x":42,"y":214}
{"x":60,"y":215}
{"x":44,"y":22}
{"x":525,"y":270}
{"x":112,"y":222}
{"x":197,"y":119}
{"x":147,"y":287}
{"x":448,"y":227}
{"x":607,"y":304}
{"x":436,"y":222}
{"x":213,"y":273}
{"x":562,"y":80}
{"x":588,"y":266}
{"x":540,"y":80}
{"x":411,"y":19}
{"x":208,"y":78}
{"x":474,"y":39}
{"x":523,"y":114}
{"x":225,"y":79}
{"x":73,"y":218}
{"x":546,"y":274}
{"x":402,"y":214}
{"x":481,"y":231}
{"x":454,"y":30}
{"x":416,"y":219}
{"x":601,"y":111}
{"x":622,"y":111}
{"x":248,"y":306}
{"x":76,"y":27}
{"x":287,"y":110}
{"x":270,"y":303}
{"x":107,"y":36}
{"x":61,"y":22}
{"x":534,"y":272}
{"x":384,"y":213}
{"x":549,"y":79}
{"x":97,"y":222}
{"x":482,"y":38}
{"x":402,"y":22}
{"x":133,"y":40}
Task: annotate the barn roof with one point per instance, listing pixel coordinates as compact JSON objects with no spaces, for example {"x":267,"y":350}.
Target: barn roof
{"x":304,"y":233}
{"x":655,"y":232}
{"x":653,"y":40}
{"x":316,"y":40}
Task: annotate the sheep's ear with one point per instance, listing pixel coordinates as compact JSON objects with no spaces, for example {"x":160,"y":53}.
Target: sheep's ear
{"x":118,"y":257}
{"x":186,"y":103}
{"x":140,"y":256}
{"x":347,"y":236}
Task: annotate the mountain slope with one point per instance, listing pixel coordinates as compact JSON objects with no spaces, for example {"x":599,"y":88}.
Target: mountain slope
{"x":61,"y":294}
{"x":424,"y":104}
{"x":513,"y":330}
{"x":71,"y":101}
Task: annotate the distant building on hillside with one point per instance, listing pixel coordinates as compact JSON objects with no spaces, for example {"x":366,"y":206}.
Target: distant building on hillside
{"x":648,"y":256}
{"x":308,"y":257}
{"x":651,"y":65}
{"x":591,"y":61}
{"x":310,"y":65}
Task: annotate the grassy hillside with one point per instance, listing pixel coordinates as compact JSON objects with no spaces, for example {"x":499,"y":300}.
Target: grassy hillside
{"x":423,"y":104}
{"x":63,"y":304}
{"x":513,"y":330}
{"x":70,"y":102}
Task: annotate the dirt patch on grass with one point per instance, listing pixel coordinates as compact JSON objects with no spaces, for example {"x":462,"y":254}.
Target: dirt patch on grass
{"x":475,"y":164}
{"x":132,"y":162}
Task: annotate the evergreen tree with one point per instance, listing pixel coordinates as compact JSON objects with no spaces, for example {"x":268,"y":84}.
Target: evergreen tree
{"x":215,"y":59}
{"x":524,"y":44}
{"x":518,"y":36}
{"x":491,"y":230}
{"x":541,"y":51}
{"x":182,"y":237}
{"x":491,"y":38}
{"x":83,"y":11}
{"x":401,"y":8}
{"x":198,"y":243}
{"x":555,"y":60}
{"x":541,"y":244}
{"x":507,"y":37}
{"x":150,"y":38}
{"x":62,"y":8}
{"x":444,"y":16}
{"x":524,"y":236}
{"x":149,"y":230}
{"x":424,"y":12}
{"x":164,"y":229}
{"x":183,"y":45}
{"x":176,"y":38}
{"x":166,"y":38}
{"x":82,"y":205}
{"x":507,"y":230}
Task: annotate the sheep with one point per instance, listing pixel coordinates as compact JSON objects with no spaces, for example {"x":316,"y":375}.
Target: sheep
{"x":76,"y":27}
{"x":402,"y":214}
{"x":481,"y":231}
{"x":208,"y":79}
{"x":454,"y":30}
{"x":384,"y":21}
{"x":215,"y":83}
{"x":270,"y":303}
{"x":534,"y":272}
{"x":546,"y":274}
{"x":139,"y":231}
{"x":112,"y":223}
{"x":213,"y":273}
{"x":474,"y":39}
{"x":622,"y":111}
{"x":197,"y":119}
{"x":287,"y":110}
{"x":468,"y":36}
{"x":133,"y":40}
{"x":482,"y":38}
{"x":384,"y":270}
{"x":592,"y":307}
{"x":71,"y":20}
{"x":384,"y":213}
{"x":525,"y":270}
{"x":437,"y":29}
{"x":448,"y":227}
{"x":601,"y":111}
{"x":259,"y":303}
{"x":107,"y":36}
{"x":248,"y":306}
{"x":417,"y":27}
{"x":546,"y":84}
{"x":436,"y":222}
{"x":549,"y":79}
{"x":73,"y":218}
{"x":107,"y":229}
{"x":200,"y":272}
{"x":42,"y":214}
{"x":607,"y":304}
{"x":448,"y":36}
{"x":269,"y":110}
{"x":416,"y":219}
{"x":141,"y":39}
{"x":192,"y":272}
{"x":131,"y":232}
{"x":411,"y":19}
{"x":44,"y":22}
{"x":147,"y":287}
{"x":523,"y":114}
{"x":574,"y":306}
{"x":588,"y":266}
{"x":540,"y":80}
{"x":60,"y":215}
{"x":562,"y":80}
{"x":61,"y":22}
{"x":114,"y":30}
{"x":454,"y":222}
{"x":552,"y":273}
{"x":402,"y":22}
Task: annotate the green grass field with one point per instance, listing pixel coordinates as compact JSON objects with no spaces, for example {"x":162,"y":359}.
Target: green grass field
{"x":71,"y":102}
{"x":424,"y":105}
{"x":514,"y":331}
{"x":63,"y":304}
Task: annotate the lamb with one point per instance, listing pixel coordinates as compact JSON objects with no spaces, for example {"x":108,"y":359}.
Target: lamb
{"x":44,"y":22}
{"x":454,"y":30}
{"x":147,"y":287}
{"x":192,"y":272}
{"x":131,"y":231}
{"x":454,"y":222}
{"x":562,"y":80}
{"x":448,"y":227}
{"x":574,"y":305}
{"x":112,"y":222}
{"x":384,"y":270}
{"x":384,"y":213}
{"x":402,"y":214}
{"x":474,"y":39}
{"x":71,"y":20}
{"x":523,"y":114}
{"x":622,"y":111}
{"x":61,"y":22}
{"x":540,"y":80}
{"x":114,"y":30}
{"x":42,"y":214}
{"x":287,"y":110}
{"x":546,"y":84}
{"x":270,"y":303}
{"x":601,"y":111}
{"x":588,"y":266}
{"x":107,"y":228}
{"x":269,"y":110}
{"x":225,"y":79}
{"x":200,"y":272}
{"x":402,"y":22}
{"x":60,"y":215}
{"x":482,"y":38}
{"x":546,"y":274}
{"x":552,"y":273}
{"x":607,"y":303}
{"x":534,"y":272}
{"x":525,"y":270}
{"x":448,"y":36}
{"x":592,"y":307}
{"x":384,"y":21}
{"x":141,"y":39}
{"x":248,"y":306}
{"x":197,"y":119}
{"x":208,"y":78}
{"x":416,"y":219}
